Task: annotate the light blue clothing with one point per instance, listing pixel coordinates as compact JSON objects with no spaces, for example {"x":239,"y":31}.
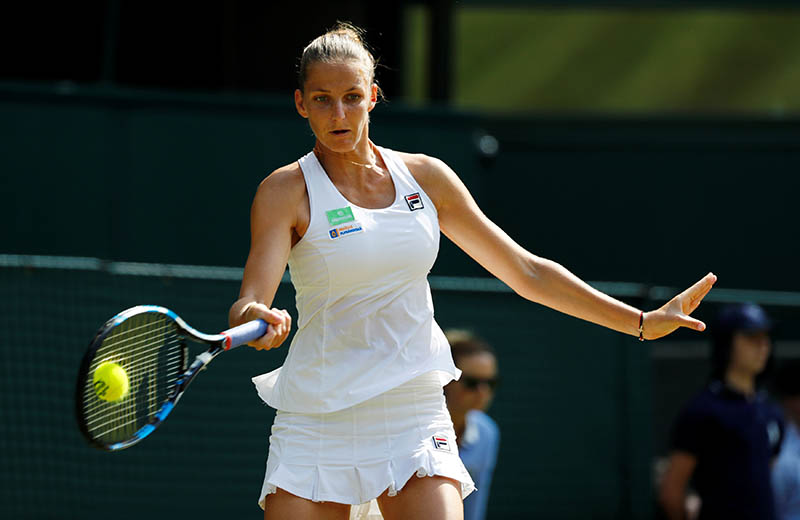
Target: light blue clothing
{"x":786,"y":476}
{"x":478,"y":450}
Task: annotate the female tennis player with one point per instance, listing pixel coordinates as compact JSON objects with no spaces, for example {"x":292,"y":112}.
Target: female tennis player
{"x":360,"y":408}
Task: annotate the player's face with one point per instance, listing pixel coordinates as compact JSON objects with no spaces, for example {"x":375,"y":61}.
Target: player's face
{"x":337,"y":99}
{"x":477,"y":369}
{"x":750,"y":351}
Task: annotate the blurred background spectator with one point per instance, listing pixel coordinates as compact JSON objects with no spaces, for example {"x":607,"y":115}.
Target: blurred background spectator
{"x":468,"y":399}
{"x":728,"y":435}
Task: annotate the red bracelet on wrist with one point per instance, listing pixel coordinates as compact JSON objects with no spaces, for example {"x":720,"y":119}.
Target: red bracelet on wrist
{"x":641,"y":326}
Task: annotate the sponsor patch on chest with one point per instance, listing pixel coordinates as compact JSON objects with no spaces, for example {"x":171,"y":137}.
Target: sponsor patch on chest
{"x":350,"y":228}
{"x":414,"y":201}
{"x":340,"y":216}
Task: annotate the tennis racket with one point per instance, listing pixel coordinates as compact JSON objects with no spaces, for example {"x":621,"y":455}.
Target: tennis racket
{"x":147,"y":348}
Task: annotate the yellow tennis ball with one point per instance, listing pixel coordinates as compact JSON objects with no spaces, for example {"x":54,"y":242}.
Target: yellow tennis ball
{"x":110,"y":381}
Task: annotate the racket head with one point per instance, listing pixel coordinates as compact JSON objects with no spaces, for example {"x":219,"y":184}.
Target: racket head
{"x":149,"y":343}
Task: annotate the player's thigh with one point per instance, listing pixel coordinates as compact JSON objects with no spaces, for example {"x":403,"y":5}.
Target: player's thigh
{"x":426,"y":498}
{"x":283,"y":505}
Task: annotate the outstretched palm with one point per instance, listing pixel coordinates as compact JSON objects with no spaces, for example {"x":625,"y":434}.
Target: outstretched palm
{"x":676,"y":312}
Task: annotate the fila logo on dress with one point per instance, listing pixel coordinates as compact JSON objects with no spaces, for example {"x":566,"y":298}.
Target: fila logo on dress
{"x":414,"y":201}
{"x":440,"y":443}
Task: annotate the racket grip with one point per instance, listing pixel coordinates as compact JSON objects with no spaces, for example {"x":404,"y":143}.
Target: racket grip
{"x":244,"y":333}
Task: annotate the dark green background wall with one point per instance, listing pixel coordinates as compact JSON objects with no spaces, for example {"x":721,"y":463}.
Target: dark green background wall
{"x":160,"y":177}
{"x":156,"y":177}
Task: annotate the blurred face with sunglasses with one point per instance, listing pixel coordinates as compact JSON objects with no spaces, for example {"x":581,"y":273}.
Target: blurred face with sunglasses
{"x":475,"y":389}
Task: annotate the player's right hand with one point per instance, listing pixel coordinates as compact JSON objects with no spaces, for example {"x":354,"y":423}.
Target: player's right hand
{"x":280,"y":324}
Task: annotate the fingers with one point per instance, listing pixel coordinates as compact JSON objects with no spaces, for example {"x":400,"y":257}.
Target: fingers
{"x":692,"y":296}
{"x":701,"y":287}
{"x":279,"y":326}
{"x":691,"y":323}
{"x":667,"y":319}
{"x":675,"y":313}
{"x":690,"y":300}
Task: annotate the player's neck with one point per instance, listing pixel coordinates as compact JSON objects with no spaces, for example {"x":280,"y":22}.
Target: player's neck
{"x":355,"y":163}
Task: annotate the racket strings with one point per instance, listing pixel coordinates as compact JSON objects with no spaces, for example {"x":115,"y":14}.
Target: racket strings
{"x":141,"y":351}
{"x":152,"y":353}
{"x":117,"y":347}
{"x":173,"y":367}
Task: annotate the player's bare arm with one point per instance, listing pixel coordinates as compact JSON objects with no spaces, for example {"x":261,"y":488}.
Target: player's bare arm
{"x":278,"y":219}
{"x":535,"y":278}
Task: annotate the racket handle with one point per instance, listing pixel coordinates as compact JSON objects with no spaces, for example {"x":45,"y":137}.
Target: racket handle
{"x":244,"y":333}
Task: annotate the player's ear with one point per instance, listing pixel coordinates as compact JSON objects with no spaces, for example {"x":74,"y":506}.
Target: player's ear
{"x":299,"y":104}
{"x":373,"y":97}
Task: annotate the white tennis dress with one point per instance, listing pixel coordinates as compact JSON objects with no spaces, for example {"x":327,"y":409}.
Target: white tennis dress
{"x":359,"y":397}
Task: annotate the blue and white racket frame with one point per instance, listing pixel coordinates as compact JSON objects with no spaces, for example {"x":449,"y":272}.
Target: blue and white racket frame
{"x":218,"y":343}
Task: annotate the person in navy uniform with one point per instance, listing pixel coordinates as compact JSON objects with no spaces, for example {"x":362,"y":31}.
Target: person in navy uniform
{"x":726,"y":437}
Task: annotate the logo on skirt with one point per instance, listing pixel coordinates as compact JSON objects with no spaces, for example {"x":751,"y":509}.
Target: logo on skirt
{"x":440,"y":443}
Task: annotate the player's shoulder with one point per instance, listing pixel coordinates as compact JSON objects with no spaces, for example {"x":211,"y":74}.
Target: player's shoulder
{"x":433,"y":175}
{"x":280,"y":191}
{"x":286,"y":176}
{"x":286,"y":181}
{"x":416,"y":159}
{"x":422,"y":164}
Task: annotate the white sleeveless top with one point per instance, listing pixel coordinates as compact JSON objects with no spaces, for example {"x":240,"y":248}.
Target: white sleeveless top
{"x":365,"y":314}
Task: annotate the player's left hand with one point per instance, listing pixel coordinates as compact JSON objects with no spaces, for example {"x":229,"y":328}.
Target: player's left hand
{"x":675,"y":313}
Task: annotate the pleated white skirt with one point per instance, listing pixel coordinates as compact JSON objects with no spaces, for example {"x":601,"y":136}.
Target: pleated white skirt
{"x":352,"y":456}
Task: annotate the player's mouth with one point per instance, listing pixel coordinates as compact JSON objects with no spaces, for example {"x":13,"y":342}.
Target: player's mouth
{"x":339,"y":132}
